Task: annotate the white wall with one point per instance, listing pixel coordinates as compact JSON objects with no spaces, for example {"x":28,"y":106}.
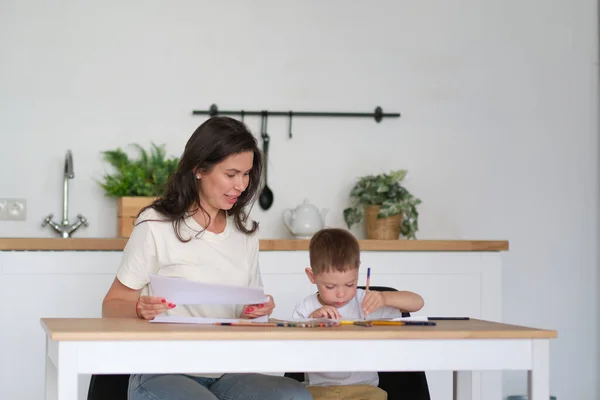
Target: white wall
{"x":499,"y":132}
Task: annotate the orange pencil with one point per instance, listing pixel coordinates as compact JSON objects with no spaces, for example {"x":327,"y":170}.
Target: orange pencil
{"x":387,"y":322}
{"x":406,"y":323}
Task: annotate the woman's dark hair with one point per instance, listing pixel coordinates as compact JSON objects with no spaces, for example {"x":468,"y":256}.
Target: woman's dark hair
{"x":215,"y":140}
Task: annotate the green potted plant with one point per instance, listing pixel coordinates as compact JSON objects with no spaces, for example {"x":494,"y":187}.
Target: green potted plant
{"x":136,"y":181}
{"x":390,"y":209}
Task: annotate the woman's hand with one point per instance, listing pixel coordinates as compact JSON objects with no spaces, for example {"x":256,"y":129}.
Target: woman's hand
{"x":148,"y":307}
{"x":373,"y":301}
{"x":258,"y":310}
{"x":326,"y":312}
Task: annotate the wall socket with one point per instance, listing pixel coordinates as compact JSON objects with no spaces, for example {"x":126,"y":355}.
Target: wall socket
{"x":13,"y":209}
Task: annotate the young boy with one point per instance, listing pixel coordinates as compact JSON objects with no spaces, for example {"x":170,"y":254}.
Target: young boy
{"x":334,"y":262}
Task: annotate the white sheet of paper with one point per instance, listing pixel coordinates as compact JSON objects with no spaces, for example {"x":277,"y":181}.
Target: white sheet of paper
{"x":309,"y":319}
{"x":174,"y":319}
{"x":414,"y":318}
{"x":183,"y":291}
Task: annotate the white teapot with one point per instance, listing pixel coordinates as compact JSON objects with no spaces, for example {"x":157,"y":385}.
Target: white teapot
{"x":305,"y":220}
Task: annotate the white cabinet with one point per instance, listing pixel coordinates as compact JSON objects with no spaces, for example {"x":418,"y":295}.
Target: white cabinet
{"x":38,"y":284}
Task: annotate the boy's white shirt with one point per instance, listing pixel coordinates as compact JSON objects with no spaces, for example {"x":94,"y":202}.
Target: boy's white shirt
{"x":350,"y":311}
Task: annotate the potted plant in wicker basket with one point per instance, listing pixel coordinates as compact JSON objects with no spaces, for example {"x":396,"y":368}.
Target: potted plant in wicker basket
{"x":389,"y":209}
{"x":136,"y":182}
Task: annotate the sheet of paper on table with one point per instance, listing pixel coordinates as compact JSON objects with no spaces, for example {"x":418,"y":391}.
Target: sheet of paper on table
{"x":175,"y":319}
{"x":415,"y":318}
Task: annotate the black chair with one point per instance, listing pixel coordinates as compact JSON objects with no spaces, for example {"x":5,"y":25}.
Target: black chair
{"x":108,"y":387}
{"x":398,"y":385}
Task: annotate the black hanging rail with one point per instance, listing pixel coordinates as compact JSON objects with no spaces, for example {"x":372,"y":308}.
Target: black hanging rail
{"x":378,"y":114}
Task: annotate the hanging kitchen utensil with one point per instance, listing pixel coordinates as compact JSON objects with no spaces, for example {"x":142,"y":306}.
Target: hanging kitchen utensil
{"x":265,"y":200}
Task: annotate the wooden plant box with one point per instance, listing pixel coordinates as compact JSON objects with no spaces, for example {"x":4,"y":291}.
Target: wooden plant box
{"x":127,"y":211}
{"x":384,"y":228}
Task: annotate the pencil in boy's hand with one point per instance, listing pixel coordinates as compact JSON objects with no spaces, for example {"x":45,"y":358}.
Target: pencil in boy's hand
{"x":367,"y":287}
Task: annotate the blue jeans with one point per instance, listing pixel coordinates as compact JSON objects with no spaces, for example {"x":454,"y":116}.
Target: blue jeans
{"x":227,"y":387}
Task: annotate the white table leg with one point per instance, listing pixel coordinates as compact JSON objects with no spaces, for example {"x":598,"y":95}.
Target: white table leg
{"x":62,"y":378}
{"x":463,"y":385}
{"x":51,"y":376}
{"x":539,"y":376}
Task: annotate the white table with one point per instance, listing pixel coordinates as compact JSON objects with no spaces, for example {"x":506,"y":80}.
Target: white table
{"x":114,"y":346}
{"x":454,"y":278}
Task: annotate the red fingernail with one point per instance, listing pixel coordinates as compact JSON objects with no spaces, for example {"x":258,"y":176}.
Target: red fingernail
{"x":163,"y":301}
{"x":171,"y":305}
{"x":260,"y":305}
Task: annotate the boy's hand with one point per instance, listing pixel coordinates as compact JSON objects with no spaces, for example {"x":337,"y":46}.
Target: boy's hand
{"x":326,"y":312}
{"x":258,"y":310}
{"x":373,"y":301}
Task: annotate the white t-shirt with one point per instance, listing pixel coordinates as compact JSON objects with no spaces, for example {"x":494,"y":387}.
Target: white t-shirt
{"x":229,"y":258}
{"x":350,"y":311}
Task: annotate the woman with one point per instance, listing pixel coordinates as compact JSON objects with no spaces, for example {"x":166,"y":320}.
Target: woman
{"x":198,"y":230}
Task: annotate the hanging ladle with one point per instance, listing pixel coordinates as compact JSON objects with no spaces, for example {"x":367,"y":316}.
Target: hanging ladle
{"x":265,"y":200}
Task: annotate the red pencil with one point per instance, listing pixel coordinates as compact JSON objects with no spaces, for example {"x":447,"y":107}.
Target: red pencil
{"x":260,"y":324}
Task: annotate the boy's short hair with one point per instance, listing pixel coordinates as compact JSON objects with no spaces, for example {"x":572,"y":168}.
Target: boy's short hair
{"x":333,"y":249}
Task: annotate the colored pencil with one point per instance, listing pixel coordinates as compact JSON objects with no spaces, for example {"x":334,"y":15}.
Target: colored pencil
{"x":367,"y":287}
{"x":391,"y":323}
{"x":406,"y":323}
{"x":283,"y":324}
{"x":261,"y":324}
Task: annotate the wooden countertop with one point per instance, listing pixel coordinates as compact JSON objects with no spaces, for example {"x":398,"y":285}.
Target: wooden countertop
{"x":137,"y":329}
{"x":117,"y":244}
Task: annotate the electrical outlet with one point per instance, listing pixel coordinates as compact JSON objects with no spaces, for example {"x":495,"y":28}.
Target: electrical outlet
{"x":13,"y":209}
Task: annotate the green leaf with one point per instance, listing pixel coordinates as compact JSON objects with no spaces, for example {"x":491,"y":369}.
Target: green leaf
{"x":398,"y":176}
{"x":353,"y":215}
{"x":145,"y":176}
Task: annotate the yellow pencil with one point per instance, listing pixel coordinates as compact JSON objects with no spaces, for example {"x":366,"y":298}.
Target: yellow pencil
{"x":387,"y":322}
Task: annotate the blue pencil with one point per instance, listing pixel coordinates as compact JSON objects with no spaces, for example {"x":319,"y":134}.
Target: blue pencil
{"x":367,"y":286}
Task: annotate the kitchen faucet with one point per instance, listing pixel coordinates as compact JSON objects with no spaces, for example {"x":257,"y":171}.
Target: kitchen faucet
{"x":65,"y":228}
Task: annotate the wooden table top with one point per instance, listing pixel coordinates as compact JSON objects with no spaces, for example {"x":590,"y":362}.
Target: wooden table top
{"x":72,"y":329}
{"x":117,"y":244}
